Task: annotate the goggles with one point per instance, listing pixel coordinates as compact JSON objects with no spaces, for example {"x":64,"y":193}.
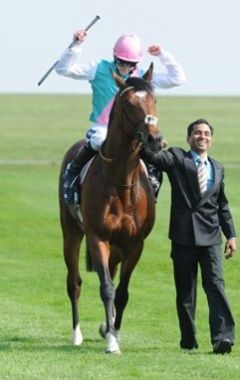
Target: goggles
{"x":124,"y":64}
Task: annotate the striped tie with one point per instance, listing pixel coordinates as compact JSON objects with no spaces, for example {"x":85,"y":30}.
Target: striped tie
{"x":202,"y":177}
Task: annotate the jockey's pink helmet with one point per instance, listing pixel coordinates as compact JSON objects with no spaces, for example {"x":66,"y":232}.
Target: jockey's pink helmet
{"x":128,"y":48}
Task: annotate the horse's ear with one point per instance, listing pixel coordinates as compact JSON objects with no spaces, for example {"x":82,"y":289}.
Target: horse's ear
{"x":148,"y":74}
{"x":120,"y":82}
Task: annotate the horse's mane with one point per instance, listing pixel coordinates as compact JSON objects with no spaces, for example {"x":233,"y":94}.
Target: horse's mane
{"x":139,"y":84}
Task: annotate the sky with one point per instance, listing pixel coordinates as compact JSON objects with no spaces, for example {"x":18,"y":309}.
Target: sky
{"x":203,"y":35}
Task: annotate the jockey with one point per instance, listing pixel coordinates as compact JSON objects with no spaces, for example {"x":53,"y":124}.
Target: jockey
{"x":127,"y":53}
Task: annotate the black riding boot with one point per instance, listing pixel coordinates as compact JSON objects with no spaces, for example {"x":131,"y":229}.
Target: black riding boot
{"x":156,"y":177}
{"x":72,"y":172}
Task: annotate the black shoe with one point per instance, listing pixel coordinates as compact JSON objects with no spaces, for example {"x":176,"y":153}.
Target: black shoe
{"x":222,"y":347}
{"x":70,"y":190}
{"x":189,"y":348}
{"x":188,"y":344}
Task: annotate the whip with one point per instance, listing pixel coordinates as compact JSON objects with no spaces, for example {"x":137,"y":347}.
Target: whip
{"x":69,"y":47}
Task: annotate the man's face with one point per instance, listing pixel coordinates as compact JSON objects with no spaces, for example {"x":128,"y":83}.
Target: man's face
{"x":200,"y":139}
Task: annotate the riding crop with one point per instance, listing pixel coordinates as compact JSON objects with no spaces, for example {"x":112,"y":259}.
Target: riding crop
{"x":69,"y":47}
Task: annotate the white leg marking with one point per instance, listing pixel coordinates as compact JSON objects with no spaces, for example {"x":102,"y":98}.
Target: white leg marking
{"x":112,"y":344}
{"x":77,"y":337}
{"x":118,"y":336}
{"x":103,"y":329}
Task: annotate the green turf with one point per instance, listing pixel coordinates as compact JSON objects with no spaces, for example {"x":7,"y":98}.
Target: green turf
{"x":35,"y":312}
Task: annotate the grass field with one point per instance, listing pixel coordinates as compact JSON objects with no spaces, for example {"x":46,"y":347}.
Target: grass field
{"x":35,"y":312}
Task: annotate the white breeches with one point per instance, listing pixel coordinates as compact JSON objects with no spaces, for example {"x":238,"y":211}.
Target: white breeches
{"x":95,"y":135}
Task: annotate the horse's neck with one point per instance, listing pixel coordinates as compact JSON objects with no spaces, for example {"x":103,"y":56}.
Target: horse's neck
{"x":125,"y":164}
{"x":116,"y":143}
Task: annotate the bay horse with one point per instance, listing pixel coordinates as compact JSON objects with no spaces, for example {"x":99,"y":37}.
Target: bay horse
{"x":117,"y":205}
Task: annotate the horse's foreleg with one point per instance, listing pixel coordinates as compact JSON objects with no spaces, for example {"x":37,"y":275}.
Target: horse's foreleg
{"x":74,"y":281}
{"x":128,"y":264}
{"x":107,"y":292}
{"x":100,"y":252}
{"x":74,"y":289}
{"x":114,"y":259}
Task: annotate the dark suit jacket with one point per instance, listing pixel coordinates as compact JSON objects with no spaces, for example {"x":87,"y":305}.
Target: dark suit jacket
{"x":194,"y":220}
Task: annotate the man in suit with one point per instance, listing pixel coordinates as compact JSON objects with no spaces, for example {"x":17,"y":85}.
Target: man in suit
{"x":199,"y":213}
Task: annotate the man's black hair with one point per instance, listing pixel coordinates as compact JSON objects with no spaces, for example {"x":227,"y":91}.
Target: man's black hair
{"x":197,"y":122}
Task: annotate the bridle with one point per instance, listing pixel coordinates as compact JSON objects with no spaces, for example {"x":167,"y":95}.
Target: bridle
{"x":147,"y":120}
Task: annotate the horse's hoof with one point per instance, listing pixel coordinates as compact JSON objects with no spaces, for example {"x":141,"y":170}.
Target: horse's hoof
{"x":118,"y":352}
{"x":112,"y":344}
{"x":77,"y":337}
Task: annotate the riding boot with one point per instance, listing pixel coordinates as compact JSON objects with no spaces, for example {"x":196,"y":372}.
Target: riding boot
{"x":71,"y":191}
{"x":156,"y":177}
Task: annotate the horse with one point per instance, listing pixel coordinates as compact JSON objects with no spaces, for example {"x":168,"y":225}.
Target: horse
{"x":117,"y":206}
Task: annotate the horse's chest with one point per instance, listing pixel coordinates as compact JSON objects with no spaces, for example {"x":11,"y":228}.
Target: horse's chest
{"x":125,"y":219}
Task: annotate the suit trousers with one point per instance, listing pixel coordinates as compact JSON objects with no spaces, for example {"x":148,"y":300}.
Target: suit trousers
{"x":185,"y":264}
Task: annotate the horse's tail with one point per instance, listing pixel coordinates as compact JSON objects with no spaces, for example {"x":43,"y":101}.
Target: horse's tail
{"x":89,"y":263}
